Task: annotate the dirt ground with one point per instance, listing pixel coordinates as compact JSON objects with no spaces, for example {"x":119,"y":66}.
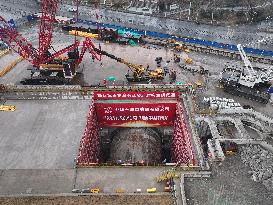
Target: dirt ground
{"x":230,"y":184}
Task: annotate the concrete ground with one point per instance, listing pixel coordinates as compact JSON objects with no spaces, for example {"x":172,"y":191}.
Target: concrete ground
{"x":39,"y":141}
{"x":55,"y":181}
{"x":42,"y":134}
{"x":129,"y":179}
{"x":36,"y":181}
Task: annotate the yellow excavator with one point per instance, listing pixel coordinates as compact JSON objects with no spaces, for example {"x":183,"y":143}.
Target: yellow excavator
{"x":178,"y":46}
{"x":7,"y":108}
{"x":181,"y":47}
{"x":138,"y":72}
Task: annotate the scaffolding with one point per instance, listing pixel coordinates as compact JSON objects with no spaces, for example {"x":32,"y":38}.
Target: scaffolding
{"x":89,"y":152}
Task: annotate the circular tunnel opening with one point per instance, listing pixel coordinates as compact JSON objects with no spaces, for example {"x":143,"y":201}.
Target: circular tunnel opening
{"x":134,"y":145}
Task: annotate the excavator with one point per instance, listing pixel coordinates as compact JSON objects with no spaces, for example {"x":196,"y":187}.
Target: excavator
{"x":178,"y":46}
{"x":138,"y":72}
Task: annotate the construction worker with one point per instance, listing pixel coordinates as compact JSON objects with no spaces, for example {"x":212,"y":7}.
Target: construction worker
{"x":174,"y":76}
{"x":147,"y":68}
{"x":104,"y":82}
{"x":166,"y":68}
{"x":176,"y":58}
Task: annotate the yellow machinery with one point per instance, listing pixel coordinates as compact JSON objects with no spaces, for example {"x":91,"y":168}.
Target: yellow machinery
{"x":151,"y":190}
{"x":167,"y":175}
{"x":120,"y":190}
{"x":197,"y":84}
{"x":185,"y":57}
{"x":7,"y":108}
{"x":52,"y":67}
{"x":188,"y":60}
{"x":180,"y":47}
{"x":10,"y":66}
{"x":95,"y":190}
{"x":139,"y":73}
{"x":4,"y":52}
{"x":137,"y":70}
{"x":83,"y":34}
{"x":156,"y":74}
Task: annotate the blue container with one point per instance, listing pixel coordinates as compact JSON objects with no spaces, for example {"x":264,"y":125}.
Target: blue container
{"x":12,"y":23}
{"x":270,"y":90}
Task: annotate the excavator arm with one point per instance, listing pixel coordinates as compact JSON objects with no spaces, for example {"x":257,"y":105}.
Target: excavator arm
{"x":137,"y":70}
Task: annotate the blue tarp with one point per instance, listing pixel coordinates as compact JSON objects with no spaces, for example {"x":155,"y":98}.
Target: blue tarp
{"x":213,"y":44}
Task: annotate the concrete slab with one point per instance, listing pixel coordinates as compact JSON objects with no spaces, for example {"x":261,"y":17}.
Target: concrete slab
{"x":42,"y":134}
{"x":37,"y":181}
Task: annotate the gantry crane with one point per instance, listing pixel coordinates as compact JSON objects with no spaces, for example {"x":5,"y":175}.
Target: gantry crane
{"x":46,"y":66}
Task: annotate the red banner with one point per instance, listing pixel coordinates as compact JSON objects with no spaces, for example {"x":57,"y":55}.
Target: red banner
{"x":135,"y":95}
{"x":136,"y":114}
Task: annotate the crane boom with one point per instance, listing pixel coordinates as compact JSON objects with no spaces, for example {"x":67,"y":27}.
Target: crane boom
{"x":248,"y":66}
{"x":21,"y":46}
{"x":88,"y":44}
{"x":17,"y":42}
{"x":49,"y":9}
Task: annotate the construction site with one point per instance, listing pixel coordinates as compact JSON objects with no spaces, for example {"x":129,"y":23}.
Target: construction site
{"x":136,"y":102}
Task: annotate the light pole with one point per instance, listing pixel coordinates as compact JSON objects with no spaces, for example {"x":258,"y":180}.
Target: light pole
{"x":189,"y":12}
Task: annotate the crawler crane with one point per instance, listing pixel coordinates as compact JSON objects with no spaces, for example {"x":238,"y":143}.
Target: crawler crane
{"x":47,"y":68}
{"x":246,"y":82}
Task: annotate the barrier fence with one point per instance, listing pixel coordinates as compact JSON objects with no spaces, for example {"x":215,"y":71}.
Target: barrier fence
{"x":196,"y":41}
{"x":154,"y":34}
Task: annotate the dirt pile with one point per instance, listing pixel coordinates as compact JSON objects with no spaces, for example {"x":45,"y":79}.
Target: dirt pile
{"x":261,"y":163}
